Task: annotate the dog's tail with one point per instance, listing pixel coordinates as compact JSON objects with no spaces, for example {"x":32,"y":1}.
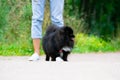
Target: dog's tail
{"x":52,"y":28}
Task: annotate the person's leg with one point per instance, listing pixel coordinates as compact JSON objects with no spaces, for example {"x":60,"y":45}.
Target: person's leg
{"x":56,"y":12}
{"x":36,"y":29}
{"x":36,"y":45}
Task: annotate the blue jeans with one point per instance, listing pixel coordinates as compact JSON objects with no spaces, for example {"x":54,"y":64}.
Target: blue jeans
{"x":56,"y":15}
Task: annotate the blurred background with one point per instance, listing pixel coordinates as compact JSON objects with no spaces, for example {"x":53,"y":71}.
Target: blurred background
{"x":96,"y":24}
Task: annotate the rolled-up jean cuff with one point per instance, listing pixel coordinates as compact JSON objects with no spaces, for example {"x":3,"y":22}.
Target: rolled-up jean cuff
{"x":36,"y":37}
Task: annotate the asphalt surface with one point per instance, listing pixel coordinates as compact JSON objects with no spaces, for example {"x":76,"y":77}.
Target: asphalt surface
{"x":80,"y":67}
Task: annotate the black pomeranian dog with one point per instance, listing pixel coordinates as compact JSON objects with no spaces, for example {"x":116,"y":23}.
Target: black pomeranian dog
{"x":58,"y":42}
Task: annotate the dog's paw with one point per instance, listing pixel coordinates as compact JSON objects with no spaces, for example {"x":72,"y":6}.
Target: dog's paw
{"x":59,"y":59}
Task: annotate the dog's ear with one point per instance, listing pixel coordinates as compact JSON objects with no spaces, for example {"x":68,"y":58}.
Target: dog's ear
{"x":68,"y":29}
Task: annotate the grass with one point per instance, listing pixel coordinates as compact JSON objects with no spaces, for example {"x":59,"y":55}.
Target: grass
{"x":83,"y":44}
{"x":86,"y":44}
{"x":17,"y":49}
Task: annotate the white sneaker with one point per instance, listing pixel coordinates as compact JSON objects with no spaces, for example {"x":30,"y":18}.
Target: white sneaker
{"x":34,"y":57}
{"x":59,"y":59}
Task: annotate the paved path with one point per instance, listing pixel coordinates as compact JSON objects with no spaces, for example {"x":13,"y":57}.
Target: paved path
{"x":79,"y":67}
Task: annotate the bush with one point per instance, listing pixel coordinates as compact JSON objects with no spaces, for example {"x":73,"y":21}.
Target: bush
{"x":85,"y":43}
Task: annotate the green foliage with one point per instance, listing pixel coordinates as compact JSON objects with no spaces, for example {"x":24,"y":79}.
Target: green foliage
{"x":15,"y":26}
{"x":85,"y":43}
{"x":101,"y":16}
{"x":20,"y":48}
{"x":15,"y":49}
{"x":15,"y":21}
{"x":3,"y":16}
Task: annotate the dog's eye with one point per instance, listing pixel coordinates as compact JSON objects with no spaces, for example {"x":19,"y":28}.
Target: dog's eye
{"x":71,"y":35}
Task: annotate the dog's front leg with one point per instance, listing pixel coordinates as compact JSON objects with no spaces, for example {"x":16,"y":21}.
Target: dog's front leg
{"x":47,"y":57}
{"x":65,"y":55}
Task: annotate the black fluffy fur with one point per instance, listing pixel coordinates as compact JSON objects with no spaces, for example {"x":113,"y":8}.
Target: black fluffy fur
{"x":55,"y":39}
